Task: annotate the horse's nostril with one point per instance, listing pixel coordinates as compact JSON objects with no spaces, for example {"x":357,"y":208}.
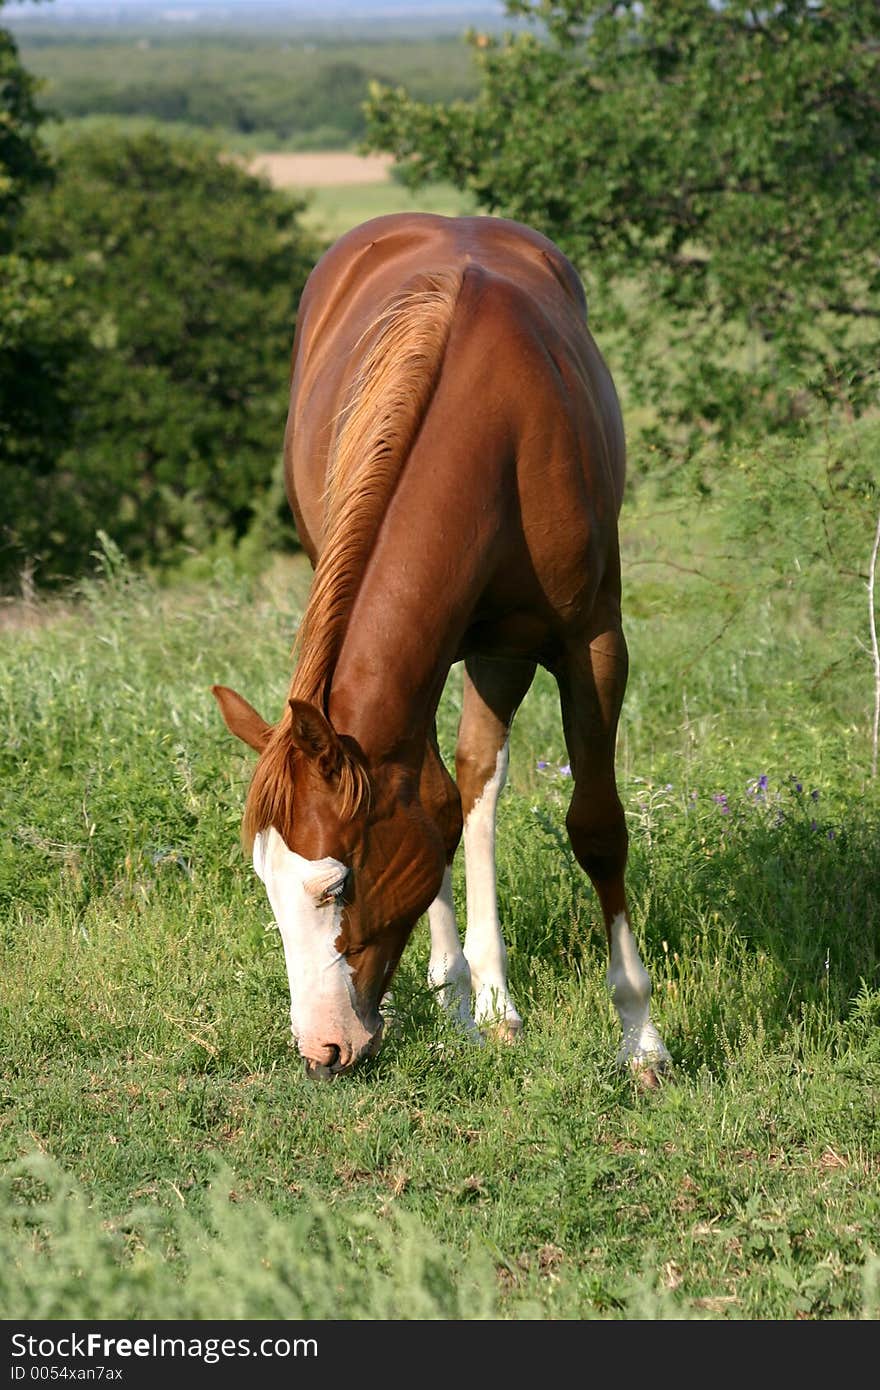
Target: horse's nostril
{"x":316,"y":1072}
{"x":332,"y":1055}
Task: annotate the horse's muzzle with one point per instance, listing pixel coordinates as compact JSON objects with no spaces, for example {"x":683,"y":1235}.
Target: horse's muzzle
{"x":334,"y":1062}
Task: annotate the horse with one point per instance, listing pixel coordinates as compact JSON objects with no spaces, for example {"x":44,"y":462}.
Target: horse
{"x":454,"y":460}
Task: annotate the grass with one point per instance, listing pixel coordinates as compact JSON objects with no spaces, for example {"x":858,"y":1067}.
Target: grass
{"x":163,"y":1154}
{"x":335,"y":209}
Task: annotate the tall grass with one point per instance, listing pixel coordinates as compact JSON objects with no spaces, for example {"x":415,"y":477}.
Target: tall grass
{"x":165,"y":1156}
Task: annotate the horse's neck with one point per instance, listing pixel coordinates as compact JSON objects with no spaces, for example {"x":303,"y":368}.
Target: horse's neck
{"x":385,"y":690}
{"x":401,"y":638}
{"x":416,"y":596}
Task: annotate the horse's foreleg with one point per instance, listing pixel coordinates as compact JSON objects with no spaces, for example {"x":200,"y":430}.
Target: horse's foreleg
{"x":493,"y":689}
{"x":592,"y":681}
{"x":449,"y":975}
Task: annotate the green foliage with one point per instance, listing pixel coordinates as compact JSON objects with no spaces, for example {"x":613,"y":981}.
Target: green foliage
{"x":176,"y":277}
{"x":22,"y":158}
{"x":712,"y":168}
{"x":38,"y":345}
{"x":36,"y":342}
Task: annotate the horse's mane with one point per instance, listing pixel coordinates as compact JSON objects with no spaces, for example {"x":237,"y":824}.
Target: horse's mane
{"x":270,"y":796}
{"x":378,"y":423}
{"x":403,"y":351}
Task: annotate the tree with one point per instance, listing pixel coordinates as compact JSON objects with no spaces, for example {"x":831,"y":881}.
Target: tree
{"x":177,"y":276}
{"x":23,"y":159}
{"x":713,"y":168}
{"x":36,"y":341}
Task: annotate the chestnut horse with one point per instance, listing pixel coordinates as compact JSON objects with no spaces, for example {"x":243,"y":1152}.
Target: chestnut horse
{"x":454,"y":459}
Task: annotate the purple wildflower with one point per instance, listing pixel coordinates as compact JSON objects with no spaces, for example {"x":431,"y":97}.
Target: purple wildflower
{"x":541,"y":764}
{"x":565,"y":770}
{"x":814,"y":795}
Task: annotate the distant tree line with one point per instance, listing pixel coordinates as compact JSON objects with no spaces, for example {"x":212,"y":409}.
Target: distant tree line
{"x":328,"y":104}
{"x":294,"y":93}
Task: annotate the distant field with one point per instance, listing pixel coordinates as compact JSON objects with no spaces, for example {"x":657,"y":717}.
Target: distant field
{"x":344,"y":189}
{"x":328,"y":169}
{"x":333,"y":210}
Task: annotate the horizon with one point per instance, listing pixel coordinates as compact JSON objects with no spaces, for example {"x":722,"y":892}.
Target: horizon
{"x":292,"y":11}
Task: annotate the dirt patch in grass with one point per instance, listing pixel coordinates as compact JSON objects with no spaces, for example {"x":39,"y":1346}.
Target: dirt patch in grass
{"x":16,"y":614}
{"x":323,"y":169}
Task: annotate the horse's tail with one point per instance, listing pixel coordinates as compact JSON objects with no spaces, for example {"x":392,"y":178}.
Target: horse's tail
{"x":403,"y":351}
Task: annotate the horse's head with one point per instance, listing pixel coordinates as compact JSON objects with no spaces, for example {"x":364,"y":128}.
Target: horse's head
{"x":349,"y":860}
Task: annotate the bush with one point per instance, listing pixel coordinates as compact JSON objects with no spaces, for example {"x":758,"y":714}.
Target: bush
{"x":175,"y":278}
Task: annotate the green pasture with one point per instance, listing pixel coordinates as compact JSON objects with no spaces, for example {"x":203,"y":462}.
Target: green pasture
{"x":164,"y":1154}
{"x":335,"y":209}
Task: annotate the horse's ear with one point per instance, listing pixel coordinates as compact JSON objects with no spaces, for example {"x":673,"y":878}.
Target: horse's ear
{"x":315,"y":736}
{"x":241,"y":718}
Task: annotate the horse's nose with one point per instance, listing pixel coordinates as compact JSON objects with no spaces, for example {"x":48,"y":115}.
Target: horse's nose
{"x":323,"y":1070}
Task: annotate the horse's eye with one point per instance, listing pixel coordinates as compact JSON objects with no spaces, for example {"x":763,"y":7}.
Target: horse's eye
{"x":334,"y":892}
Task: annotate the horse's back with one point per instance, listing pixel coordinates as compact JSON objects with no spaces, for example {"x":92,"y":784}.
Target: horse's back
{"x":523,"y":418}
{"x":371,"y":260}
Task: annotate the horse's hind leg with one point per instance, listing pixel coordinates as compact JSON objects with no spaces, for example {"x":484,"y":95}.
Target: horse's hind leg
{"x":592,"y":680}
{"x":493,"y":690}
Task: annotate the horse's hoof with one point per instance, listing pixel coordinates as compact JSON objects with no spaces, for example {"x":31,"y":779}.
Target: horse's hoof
{"x":649,"y":1073}
{"x":645,"y":1077}
{"x":496,"y":1014}
{"x":504,"y":1030}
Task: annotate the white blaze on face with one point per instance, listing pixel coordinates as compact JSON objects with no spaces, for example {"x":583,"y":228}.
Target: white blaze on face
{"x":306,"y":898}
